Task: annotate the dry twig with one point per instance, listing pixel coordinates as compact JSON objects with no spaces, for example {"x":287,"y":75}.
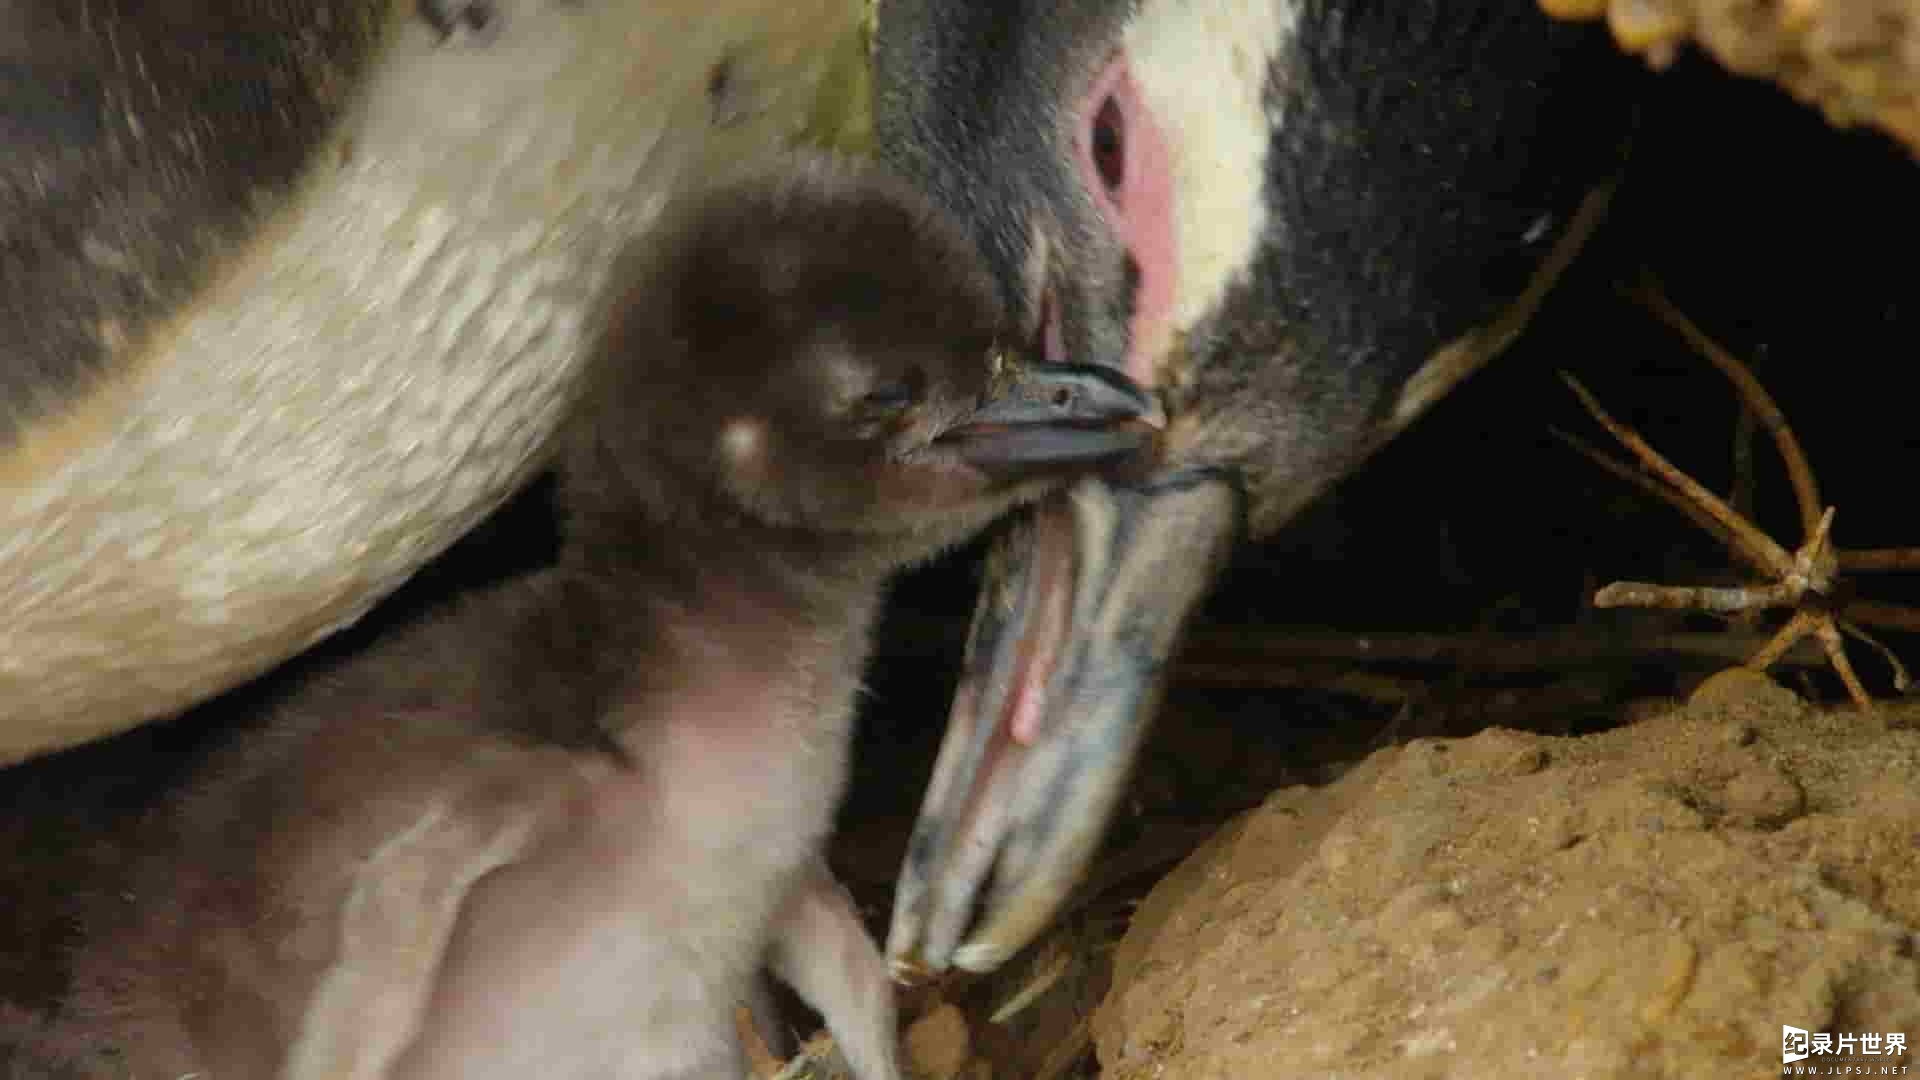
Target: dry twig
{"x":819,"y":1058}
{"x":1279,"y":656}
{"x":1807,"y":580}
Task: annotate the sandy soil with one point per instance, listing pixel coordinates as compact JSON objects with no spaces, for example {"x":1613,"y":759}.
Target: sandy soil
{"x":1858,"y":61}
{"x":1655,"y":900}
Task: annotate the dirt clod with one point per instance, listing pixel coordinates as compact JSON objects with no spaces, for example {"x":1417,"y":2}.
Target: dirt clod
{"x":1655,"y":900}
{"x":938,"y":1045}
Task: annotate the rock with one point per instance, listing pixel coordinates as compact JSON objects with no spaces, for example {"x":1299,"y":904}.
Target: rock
{"x":1854,"y":59}
{"x":1656,"y":900}
{"x":938,"y":1045}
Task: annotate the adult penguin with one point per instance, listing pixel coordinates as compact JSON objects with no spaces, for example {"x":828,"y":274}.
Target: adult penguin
{"x":1299,"y":221}
{"x":294,"y":294}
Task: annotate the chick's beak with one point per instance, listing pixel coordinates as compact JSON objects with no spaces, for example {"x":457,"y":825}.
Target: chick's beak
{"x":1053,"y":416}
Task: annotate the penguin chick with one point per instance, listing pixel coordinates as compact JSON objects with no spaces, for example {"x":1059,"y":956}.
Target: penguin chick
{"x":559,"y":831}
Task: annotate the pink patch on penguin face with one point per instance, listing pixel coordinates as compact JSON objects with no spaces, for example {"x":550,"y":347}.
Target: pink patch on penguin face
{"x":1127,"y":169}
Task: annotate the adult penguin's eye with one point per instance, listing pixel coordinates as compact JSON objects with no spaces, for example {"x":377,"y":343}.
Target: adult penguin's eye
{"x":1109,"y":146}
